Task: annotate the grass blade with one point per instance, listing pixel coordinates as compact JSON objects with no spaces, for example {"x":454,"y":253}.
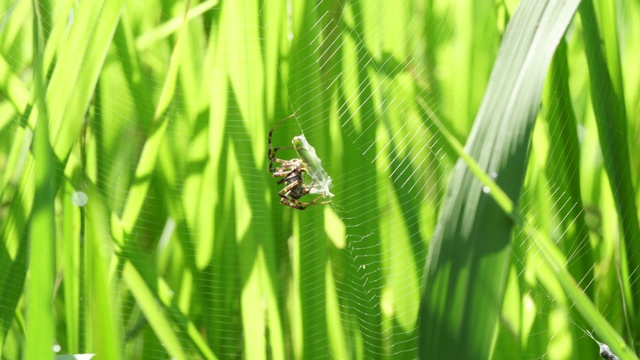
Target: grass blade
{"x":607,"y":98}
{"x":159,"y":321}
{"x":468,"y":264}
{"x":40,"y":322}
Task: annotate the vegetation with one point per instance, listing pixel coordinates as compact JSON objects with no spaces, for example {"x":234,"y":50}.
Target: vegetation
{"x":483,"y":157}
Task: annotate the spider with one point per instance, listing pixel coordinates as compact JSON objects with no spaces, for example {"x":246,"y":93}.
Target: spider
{"x":291,"y":172}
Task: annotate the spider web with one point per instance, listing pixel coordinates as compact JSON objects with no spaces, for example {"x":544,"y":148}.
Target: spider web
{"x":257,"y":279}
{"x":387,"y":169}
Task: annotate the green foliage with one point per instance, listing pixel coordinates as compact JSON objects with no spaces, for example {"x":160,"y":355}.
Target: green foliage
{"x":139,"y":219}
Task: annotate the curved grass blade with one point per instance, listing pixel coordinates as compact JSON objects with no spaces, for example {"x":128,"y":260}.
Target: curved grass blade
{"x":470,"y":252}
{"x":580,"y":300}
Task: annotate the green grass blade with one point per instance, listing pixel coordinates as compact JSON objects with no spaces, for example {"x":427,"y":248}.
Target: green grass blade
{"x":80,"y":60}
{"x":40,"y":321}
{"x":564,"y":211}
{"x":162,"y":32}
{"x":20,"y":200}
{"x":71,"y":229}
{"x":310,"y":248}
{"x":362,"y":256}
{"x":11,"y":85}
{"x":467,"y":267}
{"x":13,"y":289}
{"x":101,"y":309}
{"x":18,"y":193}
{"x":590,"y":313}
{"x":562,"y":167}
{"x":16,"y":30}
{"x":159,"y":321}
{"x":607,"y":98}
{"x":197,"y":340}
{"x":149,"y":156}
{"x":244,"y":63}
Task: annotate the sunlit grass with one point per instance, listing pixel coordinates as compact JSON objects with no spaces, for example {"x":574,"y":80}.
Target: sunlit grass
{"x":158,"y":112}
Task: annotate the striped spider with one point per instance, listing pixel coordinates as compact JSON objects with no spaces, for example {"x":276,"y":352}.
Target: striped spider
{"x":291,"y":172}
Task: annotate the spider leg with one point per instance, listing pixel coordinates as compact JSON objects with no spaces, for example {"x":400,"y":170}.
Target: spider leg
{"x":273,"y":159}
{"x":289,"y":201}
{"x":307,"y":190}
{"x":289,"y":173}
{"x":278,"y":124}
{"x":294,"y":204}
{"x":285,"y":193}
{"x":285,"y":177}
{"x":288,"y":167}
{"x":315,"y":201}
{"x":272,"y":152}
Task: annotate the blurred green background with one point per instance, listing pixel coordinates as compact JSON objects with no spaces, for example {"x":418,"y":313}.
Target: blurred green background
{"x":139,"y":219}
